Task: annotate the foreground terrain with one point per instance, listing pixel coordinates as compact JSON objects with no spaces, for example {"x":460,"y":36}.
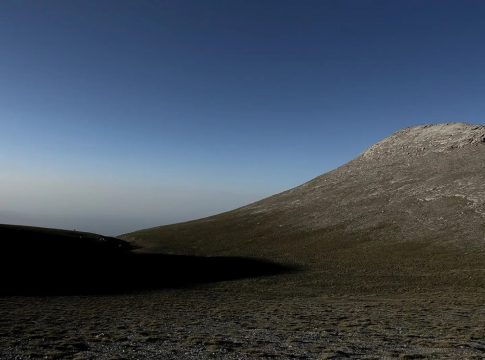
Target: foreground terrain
{"x":244,"y":319}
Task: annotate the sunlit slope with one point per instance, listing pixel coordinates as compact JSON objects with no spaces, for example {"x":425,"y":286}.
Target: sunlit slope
{"x":416,"y":198}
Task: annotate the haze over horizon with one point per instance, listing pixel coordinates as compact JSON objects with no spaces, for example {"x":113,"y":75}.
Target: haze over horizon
{"x":119,"y":115}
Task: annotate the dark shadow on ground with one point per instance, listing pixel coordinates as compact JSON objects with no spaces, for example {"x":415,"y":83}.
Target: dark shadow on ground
{"x":45,"y":261}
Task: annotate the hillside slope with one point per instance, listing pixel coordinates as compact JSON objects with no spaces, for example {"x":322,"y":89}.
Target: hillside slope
{"x":48,"y":261}
{"x":414,"y":201}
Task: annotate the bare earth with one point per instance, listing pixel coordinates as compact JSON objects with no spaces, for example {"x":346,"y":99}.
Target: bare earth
{"x":244,"y":320}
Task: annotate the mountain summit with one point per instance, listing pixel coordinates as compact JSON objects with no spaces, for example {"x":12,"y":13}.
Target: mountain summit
{"x":417,"y":196}
{"x":419,"y":140}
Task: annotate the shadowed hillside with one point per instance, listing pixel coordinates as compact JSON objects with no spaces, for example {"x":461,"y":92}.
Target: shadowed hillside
{"x":49,"y":261}
{"x":409,"y":211}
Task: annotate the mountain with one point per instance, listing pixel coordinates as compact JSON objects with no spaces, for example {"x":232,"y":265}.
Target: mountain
{"x":411,"y":205}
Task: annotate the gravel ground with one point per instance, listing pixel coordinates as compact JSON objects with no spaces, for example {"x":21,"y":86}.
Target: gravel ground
{"x":244,"y":319}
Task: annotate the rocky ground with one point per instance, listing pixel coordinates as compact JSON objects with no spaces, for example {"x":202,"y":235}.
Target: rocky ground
{"x":245,"y":319}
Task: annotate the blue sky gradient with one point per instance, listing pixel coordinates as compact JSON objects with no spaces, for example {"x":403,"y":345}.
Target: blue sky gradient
{"x":120,"y":115}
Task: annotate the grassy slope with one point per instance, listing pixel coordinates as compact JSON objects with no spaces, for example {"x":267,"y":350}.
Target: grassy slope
{"x":347,"y":237}
{"x":333,"y":258}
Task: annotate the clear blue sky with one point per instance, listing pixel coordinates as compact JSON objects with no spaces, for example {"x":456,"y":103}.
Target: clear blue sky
{"x":118,"y":115}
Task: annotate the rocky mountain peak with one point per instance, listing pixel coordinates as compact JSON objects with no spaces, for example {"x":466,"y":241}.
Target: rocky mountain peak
{"x":423,"y":139}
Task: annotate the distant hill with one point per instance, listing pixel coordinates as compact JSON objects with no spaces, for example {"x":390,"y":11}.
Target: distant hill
{"x":412,"y":205}
{"x":48,"y":242}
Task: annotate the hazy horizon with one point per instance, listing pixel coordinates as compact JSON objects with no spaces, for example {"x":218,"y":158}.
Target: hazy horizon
{"x":120,"y":115}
